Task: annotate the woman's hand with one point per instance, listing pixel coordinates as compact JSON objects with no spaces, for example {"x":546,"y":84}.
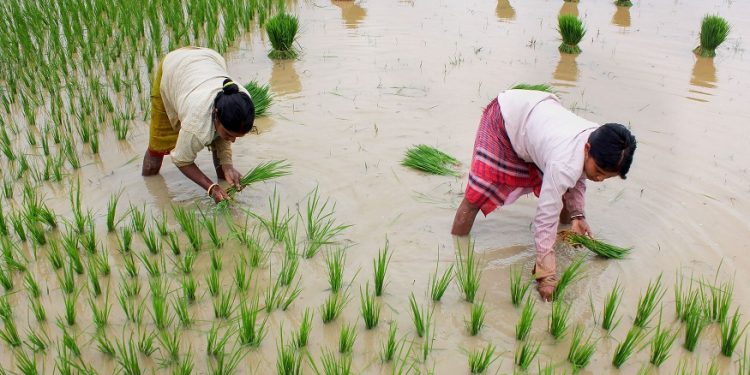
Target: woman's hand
{"x":580,"y":226}
{"x":232,"y":176}
{"x":218,"y":194}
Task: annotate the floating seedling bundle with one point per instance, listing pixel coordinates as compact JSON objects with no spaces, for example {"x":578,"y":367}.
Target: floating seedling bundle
{"x":431,"y":160}
{"x":261,"y":97}
{"x":572,"y":31}
{"x":598,"y":247}
{"x":714,"y":30}
{"x":282,"y":30}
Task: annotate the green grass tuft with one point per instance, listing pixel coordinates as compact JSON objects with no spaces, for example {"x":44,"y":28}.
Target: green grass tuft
{"x":429,"y":159}
{"x":369,"y":307}
{"x":572,"y":31}
{"x":422,"y":318}
{"x":476,"y":318}
{"x":260,"y":96}
{"x":468,"y":273}
{"x":282,"y":31}
{"x":438,"y":285}
{"x":714,"y":30}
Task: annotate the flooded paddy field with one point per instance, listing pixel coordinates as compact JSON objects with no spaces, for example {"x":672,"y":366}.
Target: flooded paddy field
{"x":373,"y":78}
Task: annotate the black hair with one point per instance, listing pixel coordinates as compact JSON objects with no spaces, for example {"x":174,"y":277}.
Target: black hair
{"x":234,"y":109}
{"x":612,"y":147}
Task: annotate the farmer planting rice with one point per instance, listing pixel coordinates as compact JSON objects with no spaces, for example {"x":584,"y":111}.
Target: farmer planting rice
{"x":194,"y":104}
{"x":528,"y":142}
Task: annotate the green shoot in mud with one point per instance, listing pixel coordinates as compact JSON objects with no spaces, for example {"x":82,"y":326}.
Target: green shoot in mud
{"x":6,"y":279}
{"x":161,"y":224}
{"x":571,"y":274}
{"x":174,"y":243}
{"x":289,"y":267}
{"x":302,"y":334}
{"x":625,"y":348}
{"x":180,"y":306}
{"x":390,"y":345}
{"x":25,"y":365}
{"x":224,"y":305}
{"x":94,"y":286}
{"x":170,"y":345}
{"x":731,"y":333}
{"x":535,"y":87}
{"x":263,"y":172}
{"x":217,"y":262}
{"x":523,"y":327}
{"x":380,"y":266}
{"x":188,"y":221}
{"x":251,"y":330}
{"x":282,"y":31}
{"x":714,"y":30}
{"x":422,"y":318}
{"x":262,"y":99}
{"x":438,"y":285}
{"x":100,"y":314}
{"x":321,"y":225}
{"x":105,"y":346}
{"x":9,"y":332}
{"x":127,"y":357}
{"x":611,"y":305}
{"x":37,"y":342}
{"x":468,"y":273}
{"x":32,"y":286}
{"x":648,"y":302}
{"x":333,"y":306}
{"x":335,"y":263}
{"x":571,"y":31}
{"x":661,"y":343}
{"x":215,"y":345}
{"x":347,"y":337}
{"x":476,"y":318}
{"x":332,"y":365}
{"x":695,"y":322}
{"x":369,"y":307}
{"x":518,"y":288}
{"x":38,"y":309}
{"x":526,"y":353}
{"x":598,"y":247}
{"x":152,"y":241}
{"x":213,"y":282}
{"x":213,"y":233}
{"x":431,"y":160}
{"x":288,"y":359}
{"x":277,"y":225}
{"x":138,"y":218}
{"x":719,"y":299}
{"x":124,"y":240}
{"x":480,"y":360}
{"x":112,"y":212}
{"x":242,"y":274}
{"x":581,"y":350}
{"x":558,"y":320}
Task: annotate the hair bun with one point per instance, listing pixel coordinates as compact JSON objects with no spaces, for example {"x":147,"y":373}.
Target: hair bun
{"x":230,"y":87}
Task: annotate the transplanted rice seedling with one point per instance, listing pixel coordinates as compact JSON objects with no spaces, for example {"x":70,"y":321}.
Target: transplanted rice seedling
{"x":152,"y":241}
{"x":525,"y":354}
{"x":389,"y":346}
{"x":611,"y":304}
{"x":282,"y":31}
{"x":321,"y":225}
{"x":647,"y":303}
{"x":695,"y":321}
{"x":277,"y":225}
{"x":216,"y":260}
{"x":224,"y":305}
{"x":431,"y":160}
{"x":69,"y":301}
{"x":581,"y":350}
{"x":625,"y":348}
{"x":9,"y":332}
{"x":369,"y":307}
{"x":714,"y":30}
{"x":189,"y":223}
{"x":347,"y":337}
{"x":173,"y":240}
{"x":598,"y":247}
{"x":558,"y":320}
{"x":422,"y":318}
{"x":124,"y":240}
{"x":335,"y":263}
{"x":213,"y":282}
{"x":332,"y":365}
{"x":100,"y":315}
{"x":242,"y":274}
{"x":476,"y":318}
{"x":263,"y":172}
{"x":138,"y":218}
{"x":719,"y":300}
{"x":213,"y":234}
{"x":127,"y":357}
{"x":25,"y":365}
{"x":518,"y":288}
{"x":572,"y":31}
{"x":438,"y":285}
{"x":112,"y":212}
{"x":180,"y":306}
{"x":468,"y":273}
{"x":730,"y":333}
{"x":571,"y":274}
{"x":161,"y":224}
{"x":480,"y":360}
{"x":288,"y":359}
{"x":170,"y":345}
{"x":380,"y":266}
{"x":536,"y":87}
{"x":523,"y":327}
{"x":32,"y":287}
{"x":261,"y":97}
{"x":333,"y":306}
{"x":37,"y":342}
{"x":40,"y":313}
{"x":661,"y":343}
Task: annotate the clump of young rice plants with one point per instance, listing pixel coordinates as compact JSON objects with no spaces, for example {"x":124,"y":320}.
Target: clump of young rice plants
{"x":127,"y":357}
{"x":476,"y":318}
{"x":333,"y":306}
{"x":37,"y":342}
{"x":523,"y":327}
{"x":347,"y":337}
{"x":661,"y":343}
{"x":438,"y":285}
{"x":468,"y":273}
{"x":40,"y":313}
{"x":730,"y":333}
{"x":335,"y":263}
{"x":331,"y":365}
{"x":112,"y":212}
{"x":161,"y":224}
{"x":173,"y":240}
{"x":714,"y":30}
{"x":321,"y":226}
{"x":180,"y":306}
{"x":224,"y":304}
{"x":422,"y":318}
{"x":480,"y":360}
{"x":9,"y":332}
{"x":261,"y":97}
{"x":571,"y":274}
{"x":695,"y":322}
{"x":276,"y":225}
{"x":288,"y":359}
{"x":152,"y":241}
{"x":189,"y":223}
{"x":213,"y":233}
{"x":719,"y":299}
{"x":525,"y":354}
{"x":282,"y":31}
{"x":25,"y":365}
{"x":380,"y":266}
{"x":647,"y":303}
{"x":138,"y":218}
{"x":558,"y":319}
{"x":100,"y":314}
{"x":431,"y":160}
{"x":6,"y":279}
{"x":251,"y":330}
{"x":124,"y":240}
{"x":302,"y":334}
{"x":571,"y":30}
{"x":535,"y":87}
{"x":518,"y":288}
{"x":598,"y":247}
{"x":581,"y":350}
{"x":170,"y":345}
{"x":625,"y":348}
{"x":369,"y":307}
{"x":611,"y":305}
{"x":263,"y":172}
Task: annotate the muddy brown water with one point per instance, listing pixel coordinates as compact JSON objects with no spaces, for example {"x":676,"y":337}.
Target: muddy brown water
{"x":375,"y":77}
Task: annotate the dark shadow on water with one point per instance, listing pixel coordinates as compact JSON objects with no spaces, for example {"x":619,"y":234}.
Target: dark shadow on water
{"x":284,"y":78}
{"x":621,"y":17}
{"x":351,"y":12}
{"x":567,"y":69}
{"x":505,"y":11}
{"x":569,"y":8}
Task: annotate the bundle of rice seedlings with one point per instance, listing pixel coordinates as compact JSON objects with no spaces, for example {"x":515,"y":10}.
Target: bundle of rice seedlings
{"x":282,"y":30}
{"x":572,"y":31}
{"x":598,"y":247}
{"x":380,"y":266}
{"x":261,"y":97}
{"x":264,"y":171}
{"x":714,"y":30}
{"x":429,"y":159}
{"x":536,"y":87}
{"x":626,"y":347}
{"x":624,"y":3}
{"x":422,"y":318}
{"x":347,"y":337}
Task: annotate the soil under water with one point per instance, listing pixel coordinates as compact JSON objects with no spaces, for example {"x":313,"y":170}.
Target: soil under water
{"x":375,"y":77}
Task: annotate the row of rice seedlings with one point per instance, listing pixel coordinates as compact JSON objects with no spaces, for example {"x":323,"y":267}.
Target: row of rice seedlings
{"x":282,"y":32}
{"x":525,"y":354}
{"x":347,"y":337}
{"x":558,"y":320}
{"x":380,"y":267}
{"x":476,"y":318}
{"x":611,"y":305}
{"x":523,"y":327}
{"x":518,"y":288}
{"x":714,"y":30}
{"x":468,"y":273}
{"x":369,"y":307}
{"x":302,"y":334}
{"x":571,"y":31}
{"x":598,"y":247}
{"x":569,"y":276}
{"x":438,"y":285}
{"x":422,"y":318}
{"x":730,"y":333}
{"x":431,"y":160}
{"x":480,"y":360}
{"x":581,"y":350}
{"x":321,"y":225}
{"x":625,"y":348}
{"x":648,"y":302}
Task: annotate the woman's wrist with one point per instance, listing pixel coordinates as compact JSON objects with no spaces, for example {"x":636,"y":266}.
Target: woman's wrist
{"x":578,"y":217}
{"x":211,"y":189}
